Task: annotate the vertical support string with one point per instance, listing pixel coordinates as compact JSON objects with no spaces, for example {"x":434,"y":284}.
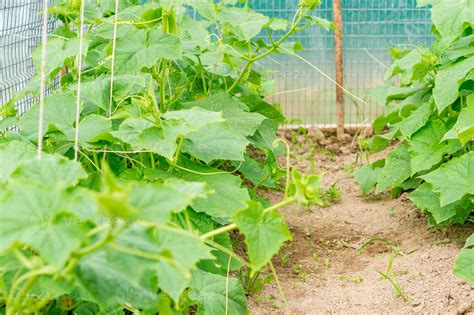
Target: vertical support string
{"x":114,"y":44}
{"x":79,"y":71}
{"x":44,"y":41}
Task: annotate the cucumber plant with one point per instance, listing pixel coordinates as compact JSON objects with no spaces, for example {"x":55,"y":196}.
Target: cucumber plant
{"x":131,"y":205}
{"x":429,"y":97}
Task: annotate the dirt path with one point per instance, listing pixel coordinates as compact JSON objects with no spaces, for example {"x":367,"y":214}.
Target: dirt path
{"x":321,"y":272}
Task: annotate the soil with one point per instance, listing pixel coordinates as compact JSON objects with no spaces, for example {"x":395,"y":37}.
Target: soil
{"x":321,"y":271}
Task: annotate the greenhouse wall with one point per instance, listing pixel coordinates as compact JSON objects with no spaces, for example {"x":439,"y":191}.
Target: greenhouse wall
{"x":306,"y":96}
{"x":369,"y":28}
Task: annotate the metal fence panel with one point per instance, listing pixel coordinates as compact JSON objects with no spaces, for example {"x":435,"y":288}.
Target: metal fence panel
{"x":20,"y":33}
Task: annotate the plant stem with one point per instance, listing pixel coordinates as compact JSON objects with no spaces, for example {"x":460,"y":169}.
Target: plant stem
{"x":249,"y":64}
{"x":233,"y":226}
{"x":177,"y":154}
{"x":203,"y":78}
{"x":164,"y":65}
{"x":152,"y":160}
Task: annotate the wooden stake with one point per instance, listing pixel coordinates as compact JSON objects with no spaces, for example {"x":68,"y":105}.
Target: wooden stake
{"x":337,"y":12}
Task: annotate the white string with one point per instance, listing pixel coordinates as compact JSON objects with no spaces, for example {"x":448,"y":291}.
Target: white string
{"x":79,"y":68}
{"x":114,"y":44}
{"x":44,"y":41}
{"x":325,"y":75}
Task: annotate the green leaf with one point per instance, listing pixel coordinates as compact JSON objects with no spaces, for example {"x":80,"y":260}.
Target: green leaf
{"x":156,"y":202}
{"x":449,"y":16}
{"x":210,"y":292}
{"x":109,"y":281}
{"x":464,"y":265}
{"x":12,"y":154}
{"x":131,"y":128}
{"x":196,"y":117}
{"x":52,"y":170}
{"x":453,"y":179}
{"x":216,"y":142}
{"x":447,"y":82}
{"x":323,"y":23}
{"x":91,"y":129}
{"x":57,"y":51}
{"x":404,"y":66}
{"x":182,"y":253}
{"x":397,"y":169}
{"x":464,"y":127}
{"x":144,"y":49}
{"x":187,"y":252}
{"x":160,"y":140}
{"x":368,"y":175}
{"x":427,"y":148}
{"x":277,"y":24}
{"x":234,"y":112}
{"x":59,"y":114}
{"x":469,"y":241}
{"x":41,"y":219}
{"x":255,"y":172}
{"x":227,"y":196}
{"x":426,"y":199}
{"x":265,"y":233}
{"x":246,"y":24}
{"x":416,"y":120}
{"x":306,"y":189}
{"x":97,"y":92}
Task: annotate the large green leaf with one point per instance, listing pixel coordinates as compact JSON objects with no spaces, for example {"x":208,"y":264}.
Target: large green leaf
{"x":97,"y":92}
{"x":235,"y":113}
{"x":37,"y":215}
{"x":464,"y":127}
{"x":57,"y":51}
{"x":450,"y":16}
{"x":265,"y":233}
{"x":107,"y":278}
{"x":416,"y":120}
{"x":144,"y":49}
{"x":368,"y":175}
{"x":246,"y":24}
{"x":454,"y":179}
{"x":131,"y":128}
{"x":447,"y":82}
{"x":195,"y":117}
{"x":59,"y":114}
{"x":426,"y":199}
{"x":181,"y":253}
{"x":91,"y":129}
{"x":187,"y":252}
{"x":52,"y":170}
{"x":216,"y":142}
{"x":464,"y":265}
{"x":427,"y":148}
{"x":211,"y":294}
{"x":156,"y":202}
{"x":160,"y":140}
{"x":397,"y":169}
{"x":12,"y":154}
{"x":227,"y":196}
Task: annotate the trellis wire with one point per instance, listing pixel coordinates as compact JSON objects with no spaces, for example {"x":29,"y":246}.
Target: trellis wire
{"x":114,"y":44}
{"x":79,"y":80}
{"x":42,"y":79}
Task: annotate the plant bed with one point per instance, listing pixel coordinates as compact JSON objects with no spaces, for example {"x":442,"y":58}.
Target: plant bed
{"x":322,"y":272}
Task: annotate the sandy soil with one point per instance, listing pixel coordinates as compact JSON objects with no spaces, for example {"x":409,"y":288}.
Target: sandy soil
{"x":322,"y":273}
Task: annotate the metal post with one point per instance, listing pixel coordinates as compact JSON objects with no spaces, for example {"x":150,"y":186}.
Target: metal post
{"x":337,"y":12}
